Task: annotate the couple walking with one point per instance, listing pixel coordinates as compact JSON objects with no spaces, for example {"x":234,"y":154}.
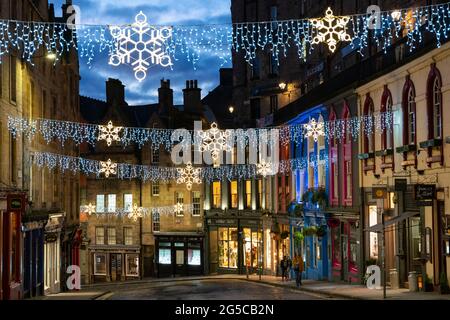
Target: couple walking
{"x":297,"y":265}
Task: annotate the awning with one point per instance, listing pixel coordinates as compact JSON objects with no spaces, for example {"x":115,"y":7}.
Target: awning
{"x":379,"y":227}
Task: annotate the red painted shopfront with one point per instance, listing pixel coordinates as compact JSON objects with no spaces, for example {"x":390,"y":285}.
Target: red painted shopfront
{"x":11,"y":247}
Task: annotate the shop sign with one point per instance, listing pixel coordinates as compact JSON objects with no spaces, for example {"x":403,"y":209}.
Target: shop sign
{"x":425,"y":192}
{"x":401,"y":184}
{"x":379,"y":192}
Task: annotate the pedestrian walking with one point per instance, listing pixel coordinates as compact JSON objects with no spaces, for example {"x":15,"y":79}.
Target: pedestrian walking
{"x":283,"y":267}
{"x":289,"y":268}
{"x":300,"y":268}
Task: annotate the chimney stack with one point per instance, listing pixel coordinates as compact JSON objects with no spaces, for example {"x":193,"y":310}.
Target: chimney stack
{"x":192,"y":97}
{"x":165,"y":97}
{"x":115,"y":92}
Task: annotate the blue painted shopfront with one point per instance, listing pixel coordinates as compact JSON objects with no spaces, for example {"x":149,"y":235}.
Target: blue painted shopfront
{"x":312,"y":176}
{"x":34,"y":262}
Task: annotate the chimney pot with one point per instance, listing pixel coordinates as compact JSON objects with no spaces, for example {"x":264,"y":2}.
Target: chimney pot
{"x":195,"y":84}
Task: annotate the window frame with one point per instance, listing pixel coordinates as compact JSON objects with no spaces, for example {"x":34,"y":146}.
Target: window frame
{"x":97,"y":236}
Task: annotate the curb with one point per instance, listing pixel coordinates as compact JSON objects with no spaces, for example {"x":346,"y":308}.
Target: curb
{"x":98,"y":296}
{"x":303,"y":289}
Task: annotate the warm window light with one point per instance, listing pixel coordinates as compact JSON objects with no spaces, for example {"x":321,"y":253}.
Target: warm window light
{"x":396,"y":15}
{"x":231,"y":109}
{"x":282,"y":85}
{"x":51,"y":56}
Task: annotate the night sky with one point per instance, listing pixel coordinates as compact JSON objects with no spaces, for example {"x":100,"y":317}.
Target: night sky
{"x":167,"y":12}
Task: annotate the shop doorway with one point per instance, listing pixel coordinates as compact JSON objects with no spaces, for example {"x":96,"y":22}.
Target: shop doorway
{"x":179,"y":258}
{"x":344,"y":253}
{"x":251,"y":246}
{"x":116,"y":266}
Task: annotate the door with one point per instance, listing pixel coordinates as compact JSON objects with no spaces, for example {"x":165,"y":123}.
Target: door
{"x":116,"y":266}
{"x":179,"y":262}
{"x":344,"y":250}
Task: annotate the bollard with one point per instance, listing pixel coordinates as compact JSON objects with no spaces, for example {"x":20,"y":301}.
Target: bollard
{"x":412,"y":281}
{"x":393,"y":275}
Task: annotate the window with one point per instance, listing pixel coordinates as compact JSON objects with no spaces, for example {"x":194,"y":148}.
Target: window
{"x":217,"y":194}
{"x":44,"y":104}
{"x":411,"y":116}
{"x":13,"y":78}
{"x":99,"y":235}
{"x":259,"y":201}
{"x":369,"y":130}
{"x":389,"y":136}
{"x":100,"y":203}
{"x":128,"y":236}
{"x":179,"y":199}
{"x":111,"y":203}
{"x":156,"y":221}
{"x":132,"y":265}
{"x":228,"y":247}
{"x":255,"y":68}
{"x":13,"y":158}
{"x":273,"y":103}
{"x":100,"y":264}
{"x":437,"y":106}
{"x":196,"y":203}
{"x":234,"y":194}
{"x":127,"y":202}
{"x":194,"y":257}
{"x":155,"y":155}
{"x":112,"y":235}
{"x":335,"y":181}
{"x":373,"y":239}
{"x":347,"y":154}
{"x":248,"y":194}
{"x":155,"y":189}
{"x":348,"y":177}
{"x":334,"y":174}
{"x":164,"y":255}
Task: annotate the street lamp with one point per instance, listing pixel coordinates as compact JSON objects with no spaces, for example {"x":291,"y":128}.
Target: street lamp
{"x":231,"y":109}
{"x":282,"y":85}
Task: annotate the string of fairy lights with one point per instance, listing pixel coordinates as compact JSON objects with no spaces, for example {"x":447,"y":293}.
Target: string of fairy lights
{"x":141,"y":44}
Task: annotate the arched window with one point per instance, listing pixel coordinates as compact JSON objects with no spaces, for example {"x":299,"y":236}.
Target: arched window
{"x":347,"y":161}
{"x":334,"y":161}
{"x":409,"y":113}
{"x":369,"y":129}
{"x":434,"y":102}
{"x":387,"y":138}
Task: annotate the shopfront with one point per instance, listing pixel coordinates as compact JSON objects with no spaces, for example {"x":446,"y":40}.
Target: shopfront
{"x":316,"y":252}
{"x":33,"y":264}
{"x":12,"y":245}
{"x":52,"y":253}
{"x":235,"y":246}
{"x":114,"y":263}
{"x":179,"y":254}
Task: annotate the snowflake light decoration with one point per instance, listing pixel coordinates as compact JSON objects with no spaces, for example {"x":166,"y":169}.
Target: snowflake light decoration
{"x":89,"y":209}
{"x":178,"y":208}
{"x":136,"y":212}
{"x":214,"y":140}
{"x":314,"y":129}
{"x":109,"y":133}
{"x":264,"y":168}
{"x":189,"y":175}
{"x":108,"y":168}
{"x":140,"y":45}
{"x":331,"y":29}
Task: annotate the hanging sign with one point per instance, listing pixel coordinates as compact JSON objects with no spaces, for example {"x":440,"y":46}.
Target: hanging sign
{"x":379,"y":192}
{"x":425,"y":192}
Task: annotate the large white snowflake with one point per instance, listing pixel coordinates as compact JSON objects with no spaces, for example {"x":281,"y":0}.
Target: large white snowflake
{"x":264,"y":168}
{"x":89,"y":209}
{"x":139,"y":45}
{"x":136,"y":212}
{"x":331,"y":29}
{"x":215,"y":141}
{"x":108,"y":168}
{"x":189,"y":175}
{"x":109,"y":133}
{"x":314,"y":129}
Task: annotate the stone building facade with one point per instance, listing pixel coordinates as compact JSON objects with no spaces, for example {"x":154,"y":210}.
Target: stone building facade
{"x":49,"y":90}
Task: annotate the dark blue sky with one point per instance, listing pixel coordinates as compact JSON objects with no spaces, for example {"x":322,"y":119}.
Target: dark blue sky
{"x":168,"y":12}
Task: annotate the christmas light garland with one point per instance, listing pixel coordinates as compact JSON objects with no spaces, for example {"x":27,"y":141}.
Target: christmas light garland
{"x":136,"y":212}
{"x":57,"y":130}
{"x":125,"y":171}
{"x":192,"y":42}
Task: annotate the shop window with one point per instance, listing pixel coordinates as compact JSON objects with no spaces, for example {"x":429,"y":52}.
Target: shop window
{"x":112,"y":236}
{"x":336,"y":247}
{"x":100,"y":264}
{"x":99,"y":235}
{"x":128,"y":236}
{"x":194,"y":257}
{"x":128,"y":202}
{"x":217,"y":194}
{"x":156,"y":221}
{"x":14,"y":248}
{"x":234,"y":194}
{"x":111,"y":203}
{"x":165,"y":256}
{"x":248,"y":194}
{"x":196,"y":203}
{"x":373,"y":237}
{"x":132,"y":265}
{"x":179,"y":199}
{"x":100,"y":204}
{"x":228,"y":247}
{"x":318,"y":251}
{"x":416,"y":239}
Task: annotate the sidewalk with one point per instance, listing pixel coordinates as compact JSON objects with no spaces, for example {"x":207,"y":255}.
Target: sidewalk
{"x":347,"y":291}
{"x":76,"y":295}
